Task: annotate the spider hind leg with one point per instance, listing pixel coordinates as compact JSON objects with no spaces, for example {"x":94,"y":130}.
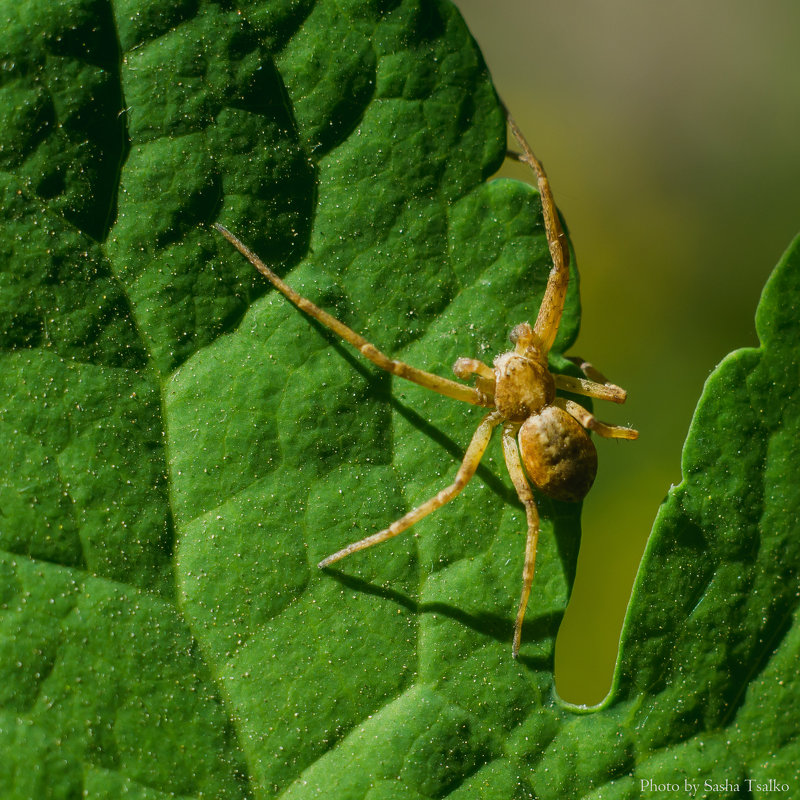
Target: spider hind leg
{"x":591,"y":423}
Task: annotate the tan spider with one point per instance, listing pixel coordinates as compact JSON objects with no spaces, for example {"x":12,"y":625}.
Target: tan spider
{"x":543,"y":430}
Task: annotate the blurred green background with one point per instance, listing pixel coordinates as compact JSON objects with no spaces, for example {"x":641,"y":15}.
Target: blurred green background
{"x":671,"y":136}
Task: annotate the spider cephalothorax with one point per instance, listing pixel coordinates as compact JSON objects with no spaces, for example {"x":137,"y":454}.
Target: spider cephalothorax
{"x":545,"y":433}
{"x":523,"y":386}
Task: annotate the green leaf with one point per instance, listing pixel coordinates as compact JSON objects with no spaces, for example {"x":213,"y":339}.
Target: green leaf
{"x":707,"y":687}
{"x":182,"y":446}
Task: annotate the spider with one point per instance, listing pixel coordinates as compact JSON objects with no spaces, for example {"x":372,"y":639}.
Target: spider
{"x":541,"y":431}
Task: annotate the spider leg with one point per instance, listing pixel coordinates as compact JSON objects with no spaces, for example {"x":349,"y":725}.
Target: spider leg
{"x":589,"y":421}
{"x":472,"y":458}
{"x":601,"y":391}
{"x":550,"y":311}
{"x":589,"y":370}
{"x":457,"y":391}
{"x":511,"y":453}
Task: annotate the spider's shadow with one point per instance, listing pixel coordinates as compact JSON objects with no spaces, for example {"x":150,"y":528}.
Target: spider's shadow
{"x":499,"y":628}
{"x":563,"y":515}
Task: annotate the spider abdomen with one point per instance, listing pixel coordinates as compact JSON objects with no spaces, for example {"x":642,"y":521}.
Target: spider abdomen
{"x":558,"y":454}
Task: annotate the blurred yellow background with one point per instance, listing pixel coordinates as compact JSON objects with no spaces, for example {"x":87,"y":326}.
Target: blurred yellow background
{"x":671,"y":136}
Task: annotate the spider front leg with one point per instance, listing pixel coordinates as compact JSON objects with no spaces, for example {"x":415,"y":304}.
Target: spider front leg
{"x":552,"y":307}
{"x":472,"y":458}
{"x":525,"y":494}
